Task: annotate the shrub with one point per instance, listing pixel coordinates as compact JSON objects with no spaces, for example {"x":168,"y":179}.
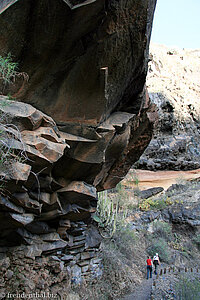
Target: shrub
{"x":8,"y":155}
{"x":159,"y":203}
{"x":122,"y":195}
{"x":9,"y":73}
{"x":162,"y":229}
{"x":160,"y":246}
{"x":196,"y":239}
{"x":125,"y":239}
{"x":153,"y":204}
{"x":187,"y":289}
{"x":108,"y":214}
{"x":8,"y":69}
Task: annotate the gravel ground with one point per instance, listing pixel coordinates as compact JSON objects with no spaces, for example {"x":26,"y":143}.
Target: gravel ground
{"x":177,"y":285}
{"x":170,"y":286}
{"x":143,"y":292}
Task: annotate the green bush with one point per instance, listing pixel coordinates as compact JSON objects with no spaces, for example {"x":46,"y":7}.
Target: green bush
{"x":121,"y":195}
{"x":187,"y":289}
{"x":149,"y":204}
{"x":162,"y":229}
{"x":7,"y":69}
{"x":160,"y":246}
{"x":125,"y":235}
{"x":108,"y":214}
{"x":9,"y":73}
{"x":196,"y":239}
{"x":126,"y":239}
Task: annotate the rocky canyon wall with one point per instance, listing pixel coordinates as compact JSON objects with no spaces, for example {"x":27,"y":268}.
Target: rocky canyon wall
{"x":78,"y":124}
{"x":173,"y":84}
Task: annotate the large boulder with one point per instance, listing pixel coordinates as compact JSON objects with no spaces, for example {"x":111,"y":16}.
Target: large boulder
{"x":82,"y":63}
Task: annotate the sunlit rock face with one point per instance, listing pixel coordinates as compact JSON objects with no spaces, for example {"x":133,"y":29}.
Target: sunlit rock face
{"x":173,"y":85}
{"x":82,"y":119}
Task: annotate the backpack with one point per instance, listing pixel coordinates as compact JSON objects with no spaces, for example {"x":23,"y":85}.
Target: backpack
{"x":155,"y":260}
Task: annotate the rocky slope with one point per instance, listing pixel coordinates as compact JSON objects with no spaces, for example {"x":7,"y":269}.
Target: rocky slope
{"x":167,"y":223}
{"x":173,"y":84}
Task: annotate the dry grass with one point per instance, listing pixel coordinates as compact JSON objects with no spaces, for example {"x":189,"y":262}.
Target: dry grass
{"x":8,"y":133}
{"x":124,"y":267}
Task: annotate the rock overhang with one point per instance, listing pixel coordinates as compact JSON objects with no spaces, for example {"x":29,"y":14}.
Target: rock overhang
{"x":83,"y":63}
{"x":84,"y":116}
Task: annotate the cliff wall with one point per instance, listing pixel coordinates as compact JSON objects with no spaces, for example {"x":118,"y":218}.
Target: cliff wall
{"x":77,"y":124}
{"x":173,"y":84}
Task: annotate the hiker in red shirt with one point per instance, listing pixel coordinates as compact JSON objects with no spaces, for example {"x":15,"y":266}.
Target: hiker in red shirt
{"x":149,"y":267}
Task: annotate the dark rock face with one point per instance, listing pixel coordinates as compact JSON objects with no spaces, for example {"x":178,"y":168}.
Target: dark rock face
{"x":182,"y":210}
{"x":83,"y":120}
{"x":150,"y":192}
{"x":82,"y":63}
{"x":189,"y":215}
{"x":56,"y":182}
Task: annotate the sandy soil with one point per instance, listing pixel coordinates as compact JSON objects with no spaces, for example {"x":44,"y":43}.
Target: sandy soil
{"x":148,"y":179}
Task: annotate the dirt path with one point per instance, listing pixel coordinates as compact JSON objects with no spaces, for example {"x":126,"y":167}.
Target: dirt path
{"x":142,"y":292}
{"x":162,"y":284}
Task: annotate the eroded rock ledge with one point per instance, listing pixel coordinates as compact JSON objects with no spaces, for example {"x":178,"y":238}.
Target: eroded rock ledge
{"x":49,"y":198}
{"x":58,"y":181}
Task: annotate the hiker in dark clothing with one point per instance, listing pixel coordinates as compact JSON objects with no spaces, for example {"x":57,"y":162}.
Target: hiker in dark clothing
{"x":156,"y":262}
{"x":149,"y":267}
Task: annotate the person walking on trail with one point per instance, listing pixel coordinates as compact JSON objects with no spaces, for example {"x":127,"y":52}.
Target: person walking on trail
{"x":149,"y":267}
{"x":156,"y":262}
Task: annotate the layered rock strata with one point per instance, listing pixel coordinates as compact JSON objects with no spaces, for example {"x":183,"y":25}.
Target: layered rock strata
{"x":40,"y":214}
{"x":50,"y":180}
{"x":51,"y":177}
